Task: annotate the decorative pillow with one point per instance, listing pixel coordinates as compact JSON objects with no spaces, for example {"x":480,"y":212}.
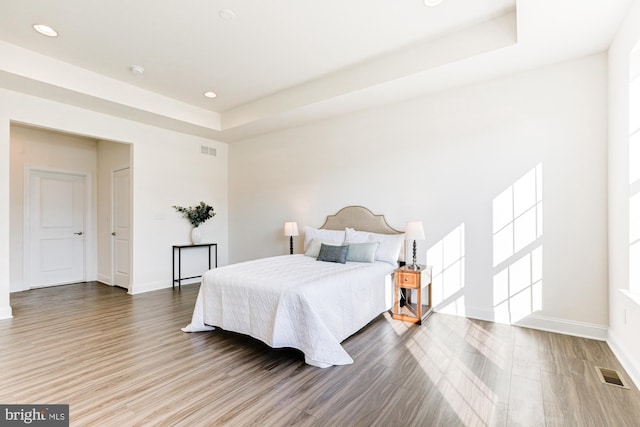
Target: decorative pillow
{"x":334,"y":237}
{"x":362,"y":252}
{"x":332,"y":253}
{"x":313,"y":249}
{"x":390,"y":244}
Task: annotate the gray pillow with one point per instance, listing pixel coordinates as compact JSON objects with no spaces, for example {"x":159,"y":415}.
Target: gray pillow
{"x":332,"y":253}
{"x":362,"y":252}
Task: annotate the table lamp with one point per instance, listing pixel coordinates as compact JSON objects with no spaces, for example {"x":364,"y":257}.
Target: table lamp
{"x":290,"y":230}
{"x":414,"y":231}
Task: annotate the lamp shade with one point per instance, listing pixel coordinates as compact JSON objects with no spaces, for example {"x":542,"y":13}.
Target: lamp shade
{"x":290,"y":229}
{"x":414,"y":230}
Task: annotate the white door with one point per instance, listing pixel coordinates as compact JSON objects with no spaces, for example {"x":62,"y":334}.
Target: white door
{"x":121,"y":228}
{"x":56,"y":228}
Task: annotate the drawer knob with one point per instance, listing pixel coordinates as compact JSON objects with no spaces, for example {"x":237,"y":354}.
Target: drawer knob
{"x":406,"y":279}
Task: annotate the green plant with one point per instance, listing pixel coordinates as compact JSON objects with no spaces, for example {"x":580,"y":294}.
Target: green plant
{"x":196,"y":214}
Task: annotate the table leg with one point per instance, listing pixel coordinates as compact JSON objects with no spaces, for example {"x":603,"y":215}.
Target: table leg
{"x":179,"y":268}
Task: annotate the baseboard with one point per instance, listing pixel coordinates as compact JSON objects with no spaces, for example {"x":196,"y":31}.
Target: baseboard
{"x":543,"y":323}
{"x":562,"y":326}
{"x":479,"y":314}
{"x":5,"y":312}
{"x":103,"y":278}
{"x":140,"y":288}
{"x":630,"y":364}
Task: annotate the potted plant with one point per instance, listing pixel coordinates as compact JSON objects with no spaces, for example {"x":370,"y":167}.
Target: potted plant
{"x":196,"y":216}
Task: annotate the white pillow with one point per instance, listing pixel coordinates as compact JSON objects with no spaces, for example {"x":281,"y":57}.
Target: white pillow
{"x":390,"y":244}
{"x":355,"y":236}
{"x":331,"y":237}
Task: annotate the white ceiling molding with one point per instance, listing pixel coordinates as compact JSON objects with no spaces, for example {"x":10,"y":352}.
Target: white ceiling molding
{"x":274,"y":68}
{"x":482,"y":38}
{"x":68,"y":83}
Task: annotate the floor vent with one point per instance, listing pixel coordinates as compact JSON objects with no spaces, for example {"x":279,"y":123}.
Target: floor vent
{"x":610,"y":377}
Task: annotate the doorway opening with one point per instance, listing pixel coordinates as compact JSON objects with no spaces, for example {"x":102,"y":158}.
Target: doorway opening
{"x":61,"y":216}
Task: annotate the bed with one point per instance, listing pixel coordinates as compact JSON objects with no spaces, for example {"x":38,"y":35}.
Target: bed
{"x":300,"y":302}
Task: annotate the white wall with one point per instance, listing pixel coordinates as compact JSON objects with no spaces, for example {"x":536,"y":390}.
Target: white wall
{"x":624,"y":318}
{"x":443,"y":159}
{"x":37,"y":149}
{"x":167,"y":169}
{"x":167,"y":172}
{"x":5,"y":307}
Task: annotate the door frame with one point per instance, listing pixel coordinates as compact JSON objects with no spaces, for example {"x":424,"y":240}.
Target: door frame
{"x":113,"y":224}
{"x":26,"y":229}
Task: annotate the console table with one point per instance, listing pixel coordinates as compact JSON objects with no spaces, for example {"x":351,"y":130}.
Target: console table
{"x":179,"y":249}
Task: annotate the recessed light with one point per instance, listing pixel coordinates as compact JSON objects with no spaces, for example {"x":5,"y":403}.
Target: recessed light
{"x":227,"y":14}
{"x":45,"y":30}
{"x":210,"y":94}
{"x":432,"y":3}
{"x":136,"y":70}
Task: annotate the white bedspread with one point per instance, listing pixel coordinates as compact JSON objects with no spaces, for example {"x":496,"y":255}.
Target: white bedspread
{"x":295,"y":301}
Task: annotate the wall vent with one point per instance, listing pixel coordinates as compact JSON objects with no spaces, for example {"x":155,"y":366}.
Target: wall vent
{"x":610,"y":377}
{"x":207,"y":150}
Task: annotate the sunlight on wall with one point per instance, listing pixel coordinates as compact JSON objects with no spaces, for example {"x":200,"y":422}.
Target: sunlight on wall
{"x":517,"y":290}
{"x":517,"y":249}
{"x":634,"y":173}
{"x":447,"y":260}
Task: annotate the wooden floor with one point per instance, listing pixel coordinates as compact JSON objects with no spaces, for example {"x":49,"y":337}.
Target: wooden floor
{"x":121,"y":360}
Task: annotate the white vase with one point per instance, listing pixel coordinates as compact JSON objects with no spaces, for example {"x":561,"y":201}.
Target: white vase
{"x":196,"y":237}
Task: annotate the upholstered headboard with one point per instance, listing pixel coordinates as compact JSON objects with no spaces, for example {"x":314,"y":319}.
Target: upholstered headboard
{"x":362,"y":219}
{"x":359,"y":218}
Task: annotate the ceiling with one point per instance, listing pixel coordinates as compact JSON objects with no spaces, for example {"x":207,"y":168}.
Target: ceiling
{"x":281,"y":63}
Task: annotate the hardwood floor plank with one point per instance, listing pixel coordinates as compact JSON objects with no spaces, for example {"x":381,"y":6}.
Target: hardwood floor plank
{"x":121,"y":360}
{"x":566,"y":404}
{"x":526,"y":407}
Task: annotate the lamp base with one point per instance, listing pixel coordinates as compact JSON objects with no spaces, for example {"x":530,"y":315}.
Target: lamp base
{"x":414,"y":265}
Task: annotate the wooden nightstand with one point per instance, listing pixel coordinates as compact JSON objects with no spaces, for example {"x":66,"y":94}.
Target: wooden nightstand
{"x":412,"y":280}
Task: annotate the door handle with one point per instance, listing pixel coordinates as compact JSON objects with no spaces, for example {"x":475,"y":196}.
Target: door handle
{"x":79,"y":233}
{"x":113,"y":234}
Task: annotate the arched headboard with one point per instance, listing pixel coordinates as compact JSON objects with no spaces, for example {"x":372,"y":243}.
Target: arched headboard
{"x":359,"y":218}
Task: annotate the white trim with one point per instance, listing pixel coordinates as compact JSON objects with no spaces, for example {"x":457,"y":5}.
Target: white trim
{"x":562,"y":326}
{"x":544,"y":323}
{"x":141,"y":288}
{"x":103,"y":278}
{"x":480,"y":314}
{"x":5,"y":312}
{"x":630,"y":364}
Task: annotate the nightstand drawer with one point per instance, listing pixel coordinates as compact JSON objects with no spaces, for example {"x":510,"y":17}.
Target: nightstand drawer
{"x":408,"y":280}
